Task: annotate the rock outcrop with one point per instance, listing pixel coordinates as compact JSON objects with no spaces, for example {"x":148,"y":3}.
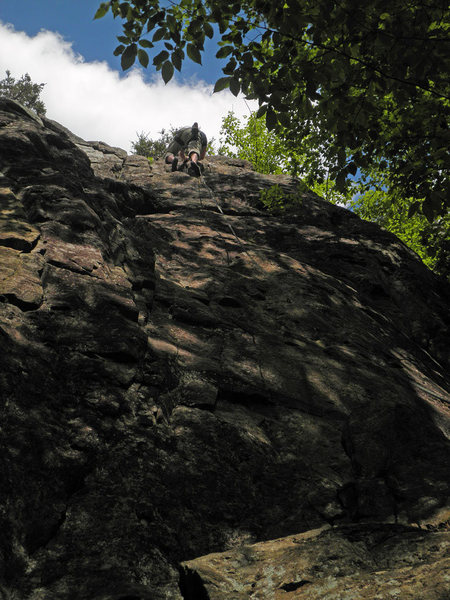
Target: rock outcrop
{"x":360,"y":562}
{"x":177,"y":382}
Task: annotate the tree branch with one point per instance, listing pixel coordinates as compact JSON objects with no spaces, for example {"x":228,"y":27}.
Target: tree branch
{"x":367,"y":64}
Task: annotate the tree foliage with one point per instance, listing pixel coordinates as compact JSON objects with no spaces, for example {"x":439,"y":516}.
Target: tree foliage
{"x":431,"y":241}
{"x":146,"y":146}
{"x":156,"y":148}
{"x":23,"y":90}
{"x":252,"y":141}
{"x":276,"y":200}
{"x":367,"y":80}
{"x":269,"y":153}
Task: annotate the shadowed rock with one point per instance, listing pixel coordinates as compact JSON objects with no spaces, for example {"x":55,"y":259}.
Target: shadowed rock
{"x":177,"y":382}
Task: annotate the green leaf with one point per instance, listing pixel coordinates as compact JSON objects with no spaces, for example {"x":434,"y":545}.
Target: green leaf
{"x":176,"y":37}
{"x":363,"y":162}
{"x":247,"y":60}
{"x":230,"y":67}
{"x":145,"y":44}
{"x":155,"y":19}
{"x":143,"y":57}
{"x":123,"y":39}
{"x":119,"y":50}
{"x":352,"y":168}
{"x":194,"y":54}
{"x":271,"y":119}
{"x":195,"y":25}
{"x":261,"y":111}
{"x":160,"y":58}
{"x":172,"y":23}
{"x":413,"y":209}
{"x":158,"y":35}
{"x":235,"y":86}
{"x":128,"y":57}
{"x":223,"y":26}
{"x":177,"y":58}
{"x":222,"y":84}
{"x":123,"y":9}
{"x":276,"y":99}
{"x":285,"y":119}
{"x":209,"y":31}
{"x":224,"y":52}
{"x":167,"y":71}
{"x":102,"y":10}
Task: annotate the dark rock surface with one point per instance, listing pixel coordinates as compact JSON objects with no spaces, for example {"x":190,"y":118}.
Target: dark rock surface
{"x":176,"y":382}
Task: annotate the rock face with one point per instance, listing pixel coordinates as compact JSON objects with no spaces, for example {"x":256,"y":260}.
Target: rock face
{"x":360,"y":562}
{"x":177,"y":382}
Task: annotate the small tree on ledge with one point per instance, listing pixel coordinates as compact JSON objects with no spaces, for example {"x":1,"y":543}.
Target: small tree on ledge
{"x":23,"y":90}
{"x":150,"y":148}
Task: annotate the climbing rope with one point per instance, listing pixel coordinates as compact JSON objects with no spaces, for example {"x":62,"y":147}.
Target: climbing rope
{"x":230,"y":227}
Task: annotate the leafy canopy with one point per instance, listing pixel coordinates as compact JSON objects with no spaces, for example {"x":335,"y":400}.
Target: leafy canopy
{"x":368,"y":80}
{"x":431,"y":241}
{"x":23,"y":90}
{"x":252,"y":141}
{"x":269,"y":153}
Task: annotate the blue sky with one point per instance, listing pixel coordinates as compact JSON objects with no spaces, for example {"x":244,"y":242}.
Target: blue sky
{"x":59,"y":43}
{"x":93,"y":39}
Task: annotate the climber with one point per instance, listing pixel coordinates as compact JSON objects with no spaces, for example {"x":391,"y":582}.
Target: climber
{"x":190,"y":141}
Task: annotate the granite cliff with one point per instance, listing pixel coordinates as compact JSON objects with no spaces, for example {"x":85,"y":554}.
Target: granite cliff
{"x":210,"y":406}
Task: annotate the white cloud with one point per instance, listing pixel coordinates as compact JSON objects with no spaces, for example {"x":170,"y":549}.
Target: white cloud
{"x":98,"y":103}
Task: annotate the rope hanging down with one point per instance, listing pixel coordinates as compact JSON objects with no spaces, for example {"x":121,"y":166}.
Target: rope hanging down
{"x":230,"y":227}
